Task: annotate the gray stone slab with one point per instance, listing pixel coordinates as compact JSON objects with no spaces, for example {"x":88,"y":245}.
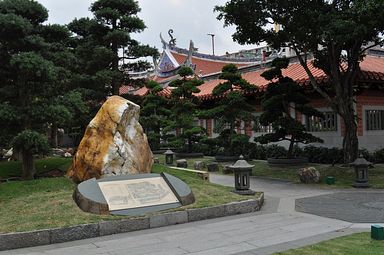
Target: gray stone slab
{"x":356,"y":206}
{"x":122,"y":226}
{"x":60,"y":235}
{"x":167,"y":219}
{"x":24,"y":239}
{"x":242,"y":207}
{"x":227,"y":250}
{"x":206,"y":213}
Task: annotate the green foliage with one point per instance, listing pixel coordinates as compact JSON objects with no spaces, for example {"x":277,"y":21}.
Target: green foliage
{"x":323,"y":155}
{"x":231,"y":109}
{"x":183,"y":111}
{"x":281,"y":97}
{"x":36,"y":64}
{"x":154,"y":114}
{"x":337,"y":33}
{"x":262,"y":152}
{"x":31,"y":141}
{"x":100,"y":40}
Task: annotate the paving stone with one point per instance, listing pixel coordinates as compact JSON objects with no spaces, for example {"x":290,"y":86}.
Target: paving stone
{"x":25,"y":239}
{"x":358,"y":206}
{"x":242,"y":207}
{"x":206,"y":213}
{"x":167,"y":219}
{"x":60,"y":235}
{"x":122,"y":226}
{"x":227,"y":250}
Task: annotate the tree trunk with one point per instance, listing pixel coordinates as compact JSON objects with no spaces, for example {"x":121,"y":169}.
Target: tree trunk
{"x":189,"y":145}
{"x":350,"y":140}
{"x":115,"y":63}
{"x":290,"y":149}
{"x":28,"y":166}
{"x":54,"y":139}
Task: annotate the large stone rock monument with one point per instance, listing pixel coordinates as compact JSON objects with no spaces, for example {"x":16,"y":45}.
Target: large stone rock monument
{"x":114,"y":143}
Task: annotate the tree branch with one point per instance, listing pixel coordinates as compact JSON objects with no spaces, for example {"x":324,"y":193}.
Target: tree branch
{"x":371,"y":46}
{"x":310,"y":75}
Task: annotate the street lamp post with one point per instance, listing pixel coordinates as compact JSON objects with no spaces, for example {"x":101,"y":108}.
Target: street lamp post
{"x":213,"y":43}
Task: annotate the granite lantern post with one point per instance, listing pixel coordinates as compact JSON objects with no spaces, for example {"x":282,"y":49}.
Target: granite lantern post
{"x":361,"y":170}
{"x":242,"y":171}
{"x":169,"y":157}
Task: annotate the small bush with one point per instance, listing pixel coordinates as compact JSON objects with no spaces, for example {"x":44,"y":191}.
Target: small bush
{"x":378,"y":156}
{"x":323,"y":155}
{"x":275,"y":151}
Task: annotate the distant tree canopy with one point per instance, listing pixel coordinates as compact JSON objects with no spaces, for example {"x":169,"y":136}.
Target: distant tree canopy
{"x":232,"y":109}
{"x":154,"y":114}
{"x":337,"y":33}
{"x":104,"y":42}
{"x":281,"y":97}
{"x":35,"y":72}
{"x":183,"y":112}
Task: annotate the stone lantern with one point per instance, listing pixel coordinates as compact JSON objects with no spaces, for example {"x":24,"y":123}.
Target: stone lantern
{"x":242,"y":170}
{"x":169,"y":157}
{"x":361,"y":169}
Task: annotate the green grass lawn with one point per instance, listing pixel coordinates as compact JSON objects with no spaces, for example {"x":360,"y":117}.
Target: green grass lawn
{"x":190,"y":161}
{"x":345,"y":176}
{"x":356,"y":244}
{"x":13,"y":168}
{"x":47,"y":203}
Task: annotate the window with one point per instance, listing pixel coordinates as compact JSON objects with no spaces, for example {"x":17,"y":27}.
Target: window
{"x":374,"y":119}
{"x":260,"y":128}
{"x":326,"y":124}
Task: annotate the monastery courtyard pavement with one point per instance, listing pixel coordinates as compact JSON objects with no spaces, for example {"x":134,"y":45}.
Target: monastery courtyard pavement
{"x":293,"y":215}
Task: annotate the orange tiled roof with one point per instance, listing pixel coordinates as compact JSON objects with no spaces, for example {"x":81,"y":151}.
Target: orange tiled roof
{"x":207,"y":66}
{"x":125,"y":89}
{"x":372,"y":69}
{"x":143,"y":91}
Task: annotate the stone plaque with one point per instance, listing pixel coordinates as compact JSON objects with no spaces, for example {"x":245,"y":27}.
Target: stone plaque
{"x":132,"y":194}
{"x":135,"y":193}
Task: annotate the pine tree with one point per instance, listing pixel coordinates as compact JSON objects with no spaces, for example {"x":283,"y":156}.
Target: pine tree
{"x":154,"y":114}
{"x":183,"y":111}
{"x":231,"y":108}
{"x":104,"y":42}
{"x":34,"y":71}
{"x":281,"y":97}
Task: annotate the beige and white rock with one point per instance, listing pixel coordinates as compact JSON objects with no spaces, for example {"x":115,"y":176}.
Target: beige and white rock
{"x":113,"y":144}
{"x":309,"y":175}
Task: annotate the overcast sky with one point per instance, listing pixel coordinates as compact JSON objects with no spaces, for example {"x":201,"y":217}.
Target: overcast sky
{"x":190,"y":20}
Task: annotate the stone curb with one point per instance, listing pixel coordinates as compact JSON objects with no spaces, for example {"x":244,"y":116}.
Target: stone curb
{"x":59,"y":235}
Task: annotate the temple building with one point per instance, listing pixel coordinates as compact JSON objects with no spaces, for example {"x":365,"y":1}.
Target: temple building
{"x":369,"y":97}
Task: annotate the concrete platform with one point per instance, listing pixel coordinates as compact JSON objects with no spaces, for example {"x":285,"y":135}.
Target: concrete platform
{"x":357,"y":206}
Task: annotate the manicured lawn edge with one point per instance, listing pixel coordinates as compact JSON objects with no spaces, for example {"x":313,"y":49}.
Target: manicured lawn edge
{"x":59,"y":235}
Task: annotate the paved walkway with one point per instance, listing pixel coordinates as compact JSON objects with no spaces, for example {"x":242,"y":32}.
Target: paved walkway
{"x":276,"y":227}
{"x":362,"y":206}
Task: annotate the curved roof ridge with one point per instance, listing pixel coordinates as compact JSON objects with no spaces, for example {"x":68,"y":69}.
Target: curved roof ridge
{"x":210,"y":57}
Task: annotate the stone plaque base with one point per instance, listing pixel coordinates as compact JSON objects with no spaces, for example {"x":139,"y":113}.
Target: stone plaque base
{"x":133,"y":194}
{"x":246,"y":192}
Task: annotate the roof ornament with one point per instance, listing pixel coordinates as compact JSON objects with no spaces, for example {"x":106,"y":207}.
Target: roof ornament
{"x":188,"y":61}
{"x":165,"y":44}
{"x":172,"y":42}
